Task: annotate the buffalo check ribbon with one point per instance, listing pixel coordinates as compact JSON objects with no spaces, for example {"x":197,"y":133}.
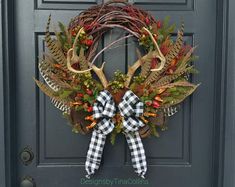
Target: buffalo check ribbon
{"x":130,"y":108}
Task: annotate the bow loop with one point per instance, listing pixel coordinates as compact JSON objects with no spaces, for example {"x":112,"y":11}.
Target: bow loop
{"x":131,"y":108}
{"x":104,"y":106}
{"x":104,"y":109}
{"x":130,"y":98}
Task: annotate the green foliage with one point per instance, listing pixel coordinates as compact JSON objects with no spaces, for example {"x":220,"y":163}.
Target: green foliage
{"x":45,"y":89}
{"x":154,"y":131}
{"x":82,"y":60}
{"x":166,"y":29}
{"x":113,"y":136}
{"x":117,"y":129}
{"x":64,"y":94}
{"x":138,"y":79}
{"x":64,"y":37}
{"x":177,"y":93}
{"x":118,"y":81}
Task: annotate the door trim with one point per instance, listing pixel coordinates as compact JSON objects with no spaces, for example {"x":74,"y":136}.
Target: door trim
{"x":223,"y":165}
{"x":224,"y":120}
{"x":7,"y":96}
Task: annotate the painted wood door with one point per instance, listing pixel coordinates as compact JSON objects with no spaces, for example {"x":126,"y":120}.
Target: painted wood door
{"x":182,"y":157}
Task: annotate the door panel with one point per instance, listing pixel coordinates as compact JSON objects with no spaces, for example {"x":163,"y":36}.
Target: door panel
{"x":182,"y":157}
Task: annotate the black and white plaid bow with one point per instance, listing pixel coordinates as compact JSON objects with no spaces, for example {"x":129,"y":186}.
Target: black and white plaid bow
{"x":131,"y":108}
{"x":104,"y":109}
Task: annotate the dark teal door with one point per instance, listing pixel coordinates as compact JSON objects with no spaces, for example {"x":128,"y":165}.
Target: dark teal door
{"x":182,"y":157}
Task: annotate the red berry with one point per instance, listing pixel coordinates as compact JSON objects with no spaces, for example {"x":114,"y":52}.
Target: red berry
{"x":148,"y":103}
{"x":89,"y":92}
{"x":147,"y":20}
{"x":87,"y":27}
{"x":159,"y":24}
{"x":73,"y":33}
{"x":90,"y":109}
{"x":89,"y":42}
{"x":156,"y":104}
{"x":79,"y":95}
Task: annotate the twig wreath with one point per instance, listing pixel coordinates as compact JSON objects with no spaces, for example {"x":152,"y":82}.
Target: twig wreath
{"x":135,"y":104}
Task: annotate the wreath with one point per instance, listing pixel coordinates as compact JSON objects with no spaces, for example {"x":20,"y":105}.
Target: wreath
{"x":135,"y":103}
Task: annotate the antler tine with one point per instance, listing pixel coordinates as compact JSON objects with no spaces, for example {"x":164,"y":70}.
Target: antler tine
{"x":75,"y":57}
{"x":69,"y":59}
{"x":160,"y":56}
{"x":133,"y":68}
{"x":99,"y":71}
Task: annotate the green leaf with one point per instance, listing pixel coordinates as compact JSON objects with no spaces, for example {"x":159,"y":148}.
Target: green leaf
{"x":154,"y":130}
{"x":113,"y":137}
{"x":166,"y":22}
{"x":86,"y":97}
{"x":65,"y":94}
{"x":171,"y":29}
{"x":178,"y":93}
{"x":79,"y":107}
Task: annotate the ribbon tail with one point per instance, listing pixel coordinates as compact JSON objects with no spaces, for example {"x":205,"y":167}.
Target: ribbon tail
{"x":94,"y":153}
{"x":138,"y":157}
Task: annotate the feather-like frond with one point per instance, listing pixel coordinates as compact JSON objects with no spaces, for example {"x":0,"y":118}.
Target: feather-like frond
{"x":169,"y":78}
{"x":182,"y":88}
{"x":62,"y":105}
{"x":53,"y":46}
{"x":146,"y":65}
{"x":58,"y":81}
{"x":55,"y":49}
{"x":186,"y":58}
{"x":169,"y":57}
{"x":170,"y":111}
{"x":45,"y":89}
{"x":45,"y":69}
{"x":82,"y":60}
{"x":58,"y":102}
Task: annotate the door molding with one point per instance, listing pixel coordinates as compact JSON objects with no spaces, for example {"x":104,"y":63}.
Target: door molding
{"x":7,"y":96}
{"x":224,"y":120}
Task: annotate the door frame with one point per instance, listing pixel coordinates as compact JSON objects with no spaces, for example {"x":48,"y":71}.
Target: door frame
{"x":223,"y":165}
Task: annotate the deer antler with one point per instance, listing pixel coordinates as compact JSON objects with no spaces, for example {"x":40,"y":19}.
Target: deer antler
{"x":133,"y":68}
{"x":99,"y":71}
{"x":160,"y":56}
{"x":137,"y":64}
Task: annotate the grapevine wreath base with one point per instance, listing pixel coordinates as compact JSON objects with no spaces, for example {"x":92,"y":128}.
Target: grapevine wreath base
{"x":134,"y":104}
